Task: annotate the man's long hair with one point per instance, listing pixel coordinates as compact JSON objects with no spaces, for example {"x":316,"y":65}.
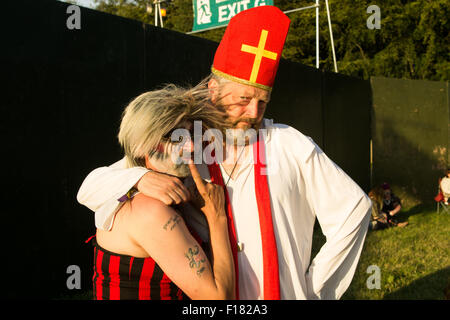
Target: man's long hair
{"x":153,"y":114}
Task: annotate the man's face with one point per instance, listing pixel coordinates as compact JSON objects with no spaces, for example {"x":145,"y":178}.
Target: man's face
{"x":245,"y":105}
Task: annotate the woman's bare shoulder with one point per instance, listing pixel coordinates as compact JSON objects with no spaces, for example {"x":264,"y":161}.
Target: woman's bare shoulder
{"x":149,"y":212}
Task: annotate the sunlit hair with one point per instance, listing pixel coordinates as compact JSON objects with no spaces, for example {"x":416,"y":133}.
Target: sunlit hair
{"x":220,"y":80}
{"x":153,"y":114}
{"x":221,"y":84}
{"x":377,"y":194}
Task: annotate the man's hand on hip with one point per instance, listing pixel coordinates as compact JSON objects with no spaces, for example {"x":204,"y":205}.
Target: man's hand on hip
{"x":168,"y":189}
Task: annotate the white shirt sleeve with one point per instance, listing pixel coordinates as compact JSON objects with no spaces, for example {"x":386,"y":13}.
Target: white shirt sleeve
{"x":343,"y":211}
{"x":445,"y":185}
{"x":102,"y":188}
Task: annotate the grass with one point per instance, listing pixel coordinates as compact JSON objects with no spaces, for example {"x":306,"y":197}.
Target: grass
{"x":414,"y":261}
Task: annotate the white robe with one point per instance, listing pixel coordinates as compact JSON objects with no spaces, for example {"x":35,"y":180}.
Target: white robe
{"x":304,"y":184}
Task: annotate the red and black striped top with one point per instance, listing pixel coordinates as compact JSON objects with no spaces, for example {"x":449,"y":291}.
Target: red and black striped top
{"x":122,"y":277}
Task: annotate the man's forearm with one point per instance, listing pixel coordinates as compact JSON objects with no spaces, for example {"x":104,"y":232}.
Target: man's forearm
{"x":333,"y":268}
{"x":396,"y":210}
{"x":107,"y":183}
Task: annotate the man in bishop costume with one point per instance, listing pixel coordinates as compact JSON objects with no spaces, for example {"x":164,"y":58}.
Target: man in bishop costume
{"x":277,"y":181}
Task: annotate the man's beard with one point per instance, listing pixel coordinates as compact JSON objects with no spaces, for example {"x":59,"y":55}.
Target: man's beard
{"x":244,"y":135}
{"x":180,"y":170}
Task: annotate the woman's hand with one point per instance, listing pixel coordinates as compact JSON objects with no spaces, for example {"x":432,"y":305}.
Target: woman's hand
{"x":211,"y":197}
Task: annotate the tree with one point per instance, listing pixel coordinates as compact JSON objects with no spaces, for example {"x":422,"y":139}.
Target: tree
{"x":134,"y":9}
{"x":180,"y":16}
{"x":413,"y":41}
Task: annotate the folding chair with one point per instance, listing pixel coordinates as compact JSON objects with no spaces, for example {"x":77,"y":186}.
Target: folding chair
{"x":440,"y":200}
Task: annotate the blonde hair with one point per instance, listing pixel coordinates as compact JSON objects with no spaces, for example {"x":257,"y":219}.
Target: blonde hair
{"x":377,"y":196}
{"x":153,"y":114}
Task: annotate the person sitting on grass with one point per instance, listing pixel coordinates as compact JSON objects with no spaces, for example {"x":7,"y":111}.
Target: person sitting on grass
{"x":391,"y":203}
{"x":382,"y":201}
{"x":445,"y":186}
{"x":378,"y":219}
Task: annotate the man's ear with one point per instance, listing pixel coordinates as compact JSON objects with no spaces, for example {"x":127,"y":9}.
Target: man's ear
{"x":213,"y":87}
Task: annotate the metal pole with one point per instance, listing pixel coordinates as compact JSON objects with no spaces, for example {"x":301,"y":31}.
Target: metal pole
{"x":160,"y":15}
{"x":304,"y":8}
{"x":371,"y":163}
{"x":331,"y":36}
{"x":317,"y":34}
{"x":156,"y":13}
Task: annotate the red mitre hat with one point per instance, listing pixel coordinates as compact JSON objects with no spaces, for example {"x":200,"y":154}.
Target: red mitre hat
{"x":251,"y":47}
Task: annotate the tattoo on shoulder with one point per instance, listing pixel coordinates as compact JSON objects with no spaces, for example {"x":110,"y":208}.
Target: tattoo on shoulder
{"x":172,"y":222}
{"x":195,"y":262}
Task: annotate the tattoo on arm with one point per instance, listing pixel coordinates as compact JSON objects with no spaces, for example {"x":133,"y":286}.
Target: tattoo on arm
{"x":194,"y":260}
{"x":172,"y":222}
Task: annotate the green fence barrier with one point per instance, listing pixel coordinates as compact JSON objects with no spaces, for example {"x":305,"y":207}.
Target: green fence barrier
{"x":410,"y":132}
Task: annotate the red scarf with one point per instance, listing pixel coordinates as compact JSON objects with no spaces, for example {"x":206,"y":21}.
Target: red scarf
{"x":269,"y":245}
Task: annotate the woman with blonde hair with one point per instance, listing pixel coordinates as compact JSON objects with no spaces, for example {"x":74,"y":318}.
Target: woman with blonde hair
{"x":155,"y":251}
{"x":378,"y":219}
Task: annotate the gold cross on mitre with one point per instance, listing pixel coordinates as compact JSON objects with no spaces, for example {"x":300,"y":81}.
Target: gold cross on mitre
{"x":259,"y":53}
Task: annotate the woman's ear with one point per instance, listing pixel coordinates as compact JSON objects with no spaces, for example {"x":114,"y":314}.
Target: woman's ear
{"x":147,"y":162}
{"x":213,"y":87}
